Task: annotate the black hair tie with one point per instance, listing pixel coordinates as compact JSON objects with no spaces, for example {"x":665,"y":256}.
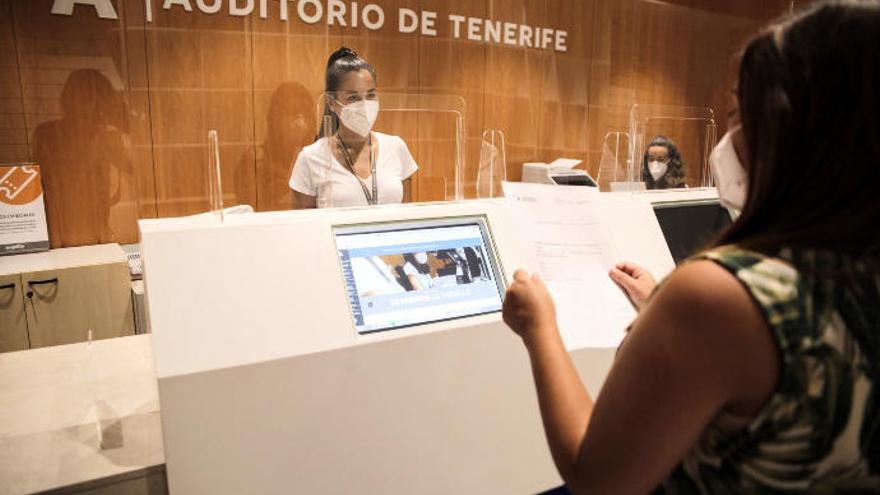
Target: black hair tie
{"x":341,"y":53}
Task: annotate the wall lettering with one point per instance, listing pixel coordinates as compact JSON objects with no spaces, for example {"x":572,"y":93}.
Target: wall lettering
{"x":350,"y":14}
{"x":104,"y":8}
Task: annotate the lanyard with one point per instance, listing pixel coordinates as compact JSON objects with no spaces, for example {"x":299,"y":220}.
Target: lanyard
{"x":371,"y":199}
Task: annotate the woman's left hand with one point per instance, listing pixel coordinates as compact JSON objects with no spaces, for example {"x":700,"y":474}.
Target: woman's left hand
{"x":637,"y":282}
{"x":528,"y":306}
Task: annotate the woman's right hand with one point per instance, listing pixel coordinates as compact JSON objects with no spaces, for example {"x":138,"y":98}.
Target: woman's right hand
{"x":528,"y":307}
{"x":637,"y":282}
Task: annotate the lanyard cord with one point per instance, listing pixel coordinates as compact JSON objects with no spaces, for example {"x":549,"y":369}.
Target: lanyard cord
{"x":371,"y":199}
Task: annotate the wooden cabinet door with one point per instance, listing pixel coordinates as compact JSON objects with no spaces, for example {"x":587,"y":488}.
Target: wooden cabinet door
{"x":63,"y":305}
{"x":13,"y":324}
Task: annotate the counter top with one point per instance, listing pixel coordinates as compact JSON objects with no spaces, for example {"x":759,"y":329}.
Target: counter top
{"x":58,"y":259}
{"x":73,"y":414}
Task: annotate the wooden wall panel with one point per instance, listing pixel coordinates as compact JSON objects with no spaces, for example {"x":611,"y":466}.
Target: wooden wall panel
{"x":200,"y":78}
{"x":288,"y":72}
{"x":259,"y":81}
{"x":452,"y":66}
{"x":515,"y":84}
{"x":566,"y":83}
{"x":142,"y":194}
{"x":689,"y":68}
{"x":394,"y":55}
{"x":74,"y":76}
{"x":766,"y":9}
{"x":14,"y":146}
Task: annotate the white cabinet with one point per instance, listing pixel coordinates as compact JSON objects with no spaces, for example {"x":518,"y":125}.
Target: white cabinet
{"x":56,"y":297}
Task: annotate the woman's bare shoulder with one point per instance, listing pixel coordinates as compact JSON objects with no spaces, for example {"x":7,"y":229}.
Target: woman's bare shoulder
{"x":710,"y":323}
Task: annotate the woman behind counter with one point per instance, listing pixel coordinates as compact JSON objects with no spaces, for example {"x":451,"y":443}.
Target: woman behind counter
{"x":662,"y":166}
{"x":365,"y":167}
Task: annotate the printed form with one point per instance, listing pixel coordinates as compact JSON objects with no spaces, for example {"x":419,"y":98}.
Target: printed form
{"x":568,"y":239}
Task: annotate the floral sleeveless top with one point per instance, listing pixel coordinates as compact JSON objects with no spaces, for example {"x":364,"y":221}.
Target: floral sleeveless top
{"x":820,"y":432}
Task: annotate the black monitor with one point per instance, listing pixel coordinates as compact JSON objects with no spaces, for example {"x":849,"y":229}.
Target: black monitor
{"x":574,"y":180}
{"x":688,"y":226}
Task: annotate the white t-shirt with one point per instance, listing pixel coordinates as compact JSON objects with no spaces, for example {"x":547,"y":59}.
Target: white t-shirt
{"x":312,"y":176}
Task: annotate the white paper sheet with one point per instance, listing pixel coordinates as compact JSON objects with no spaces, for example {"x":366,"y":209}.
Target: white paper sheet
{"x":572,"y":246}
{"x":636,"y":233}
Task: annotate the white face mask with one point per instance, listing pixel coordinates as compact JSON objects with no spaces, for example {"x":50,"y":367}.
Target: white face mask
{"x":421,"y":258}
{"x":731,"y":178}
{"x":359,"y":117}
{"x":658,"y":169}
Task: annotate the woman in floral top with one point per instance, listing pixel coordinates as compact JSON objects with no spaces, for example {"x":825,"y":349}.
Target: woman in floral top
{"x":755,"y":367}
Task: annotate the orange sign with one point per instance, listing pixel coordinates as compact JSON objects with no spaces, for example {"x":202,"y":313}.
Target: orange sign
{"x":22,"y":213}
{"x":19,"y":185}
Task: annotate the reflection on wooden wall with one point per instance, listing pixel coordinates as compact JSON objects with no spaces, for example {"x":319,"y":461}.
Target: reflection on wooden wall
{"x":117,"y":111}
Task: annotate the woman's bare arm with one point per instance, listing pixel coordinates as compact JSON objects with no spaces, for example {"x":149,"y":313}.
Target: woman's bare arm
{"x":304,"y":201}
{"x":681,"y":364}
{"x":407,"y":190}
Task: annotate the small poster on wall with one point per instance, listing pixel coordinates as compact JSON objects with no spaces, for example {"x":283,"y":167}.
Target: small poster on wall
{"x":22,"y":212}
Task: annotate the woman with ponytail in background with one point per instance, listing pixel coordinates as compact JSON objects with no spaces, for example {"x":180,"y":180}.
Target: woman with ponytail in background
{"x":355,"y":166}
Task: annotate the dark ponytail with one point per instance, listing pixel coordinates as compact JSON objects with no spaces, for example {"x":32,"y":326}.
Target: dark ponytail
{"x":341,"y":62}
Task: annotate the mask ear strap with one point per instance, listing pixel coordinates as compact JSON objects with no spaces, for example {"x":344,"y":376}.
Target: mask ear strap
{"x":333,"y":99}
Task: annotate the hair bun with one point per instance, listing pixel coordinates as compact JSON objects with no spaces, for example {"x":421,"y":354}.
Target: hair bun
{"x":340,"y":53}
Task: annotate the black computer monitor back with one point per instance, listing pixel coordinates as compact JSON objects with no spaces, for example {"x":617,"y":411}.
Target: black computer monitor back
{"x":687,"y":227}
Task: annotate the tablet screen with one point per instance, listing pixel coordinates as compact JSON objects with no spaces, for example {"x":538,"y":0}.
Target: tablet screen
{"x":415,"y":272}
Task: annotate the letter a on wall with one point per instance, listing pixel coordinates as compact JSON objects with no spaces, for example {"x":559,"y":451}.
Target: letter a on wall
{"x":104,"y":8}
